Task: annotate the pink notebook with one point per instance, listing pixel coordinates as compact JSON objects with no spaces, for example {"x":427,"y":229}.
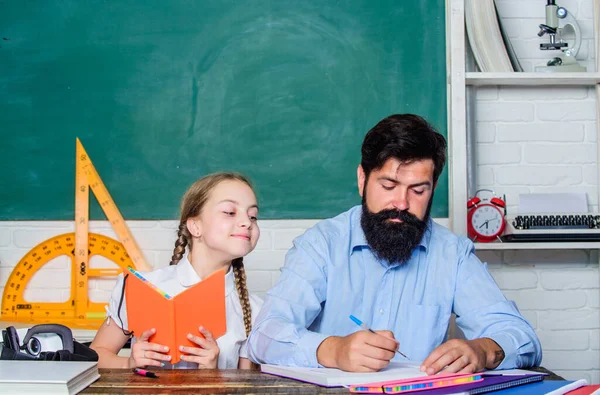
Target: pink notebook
{"x":418,"y":384}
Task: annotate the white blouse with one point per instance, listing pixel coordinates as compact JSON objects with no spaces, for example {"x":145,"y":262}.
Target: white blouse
{"x":176,"y":278}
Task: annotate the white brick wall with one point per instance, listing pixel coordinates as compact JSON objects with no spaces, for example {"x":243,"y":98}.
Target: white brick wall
{"x":543,"y":139}
{"x":528,"y":140}
{"x":155,"y":238}
{"x":521,"y":20}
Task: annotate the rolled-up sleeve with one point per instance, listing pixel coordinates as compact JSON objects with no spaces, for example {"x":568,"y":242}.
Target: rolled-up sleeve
{"x":483,"y":311}
{"x":280,"y":335}
{"x":119,"y":317}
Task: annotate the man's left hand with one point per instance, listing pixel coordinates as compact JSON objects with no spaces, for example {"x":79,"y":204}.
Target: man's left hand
{"x":464,"y":356}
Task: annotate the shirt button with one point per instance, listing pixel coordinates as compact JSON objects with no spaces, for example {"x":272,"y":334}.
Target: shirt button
{"x":380,"y":311}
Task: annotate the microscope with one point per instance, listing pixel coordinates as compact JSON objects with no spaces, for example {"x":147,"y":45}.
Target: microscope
{"x":559,"y":23}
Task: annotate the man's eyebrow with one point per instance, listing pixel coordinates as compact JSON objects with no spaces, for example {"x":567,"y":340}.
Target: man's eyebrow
{"x":418,"y":184}
{"x":237,"y":203}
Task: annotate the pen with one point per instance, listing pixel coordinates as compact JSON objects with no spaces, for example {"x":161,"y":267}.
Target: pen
{"x":145,"y":373}
{"x":365,"y":327}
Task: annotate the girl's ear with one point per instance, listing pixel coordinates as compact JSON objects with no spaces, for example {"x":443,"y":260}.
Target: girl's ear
{"x":194,"y":227}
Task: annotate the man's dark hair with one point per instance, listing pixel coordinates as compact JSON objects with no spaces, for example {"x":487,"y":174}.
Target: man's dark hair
{"x":406,"y":137}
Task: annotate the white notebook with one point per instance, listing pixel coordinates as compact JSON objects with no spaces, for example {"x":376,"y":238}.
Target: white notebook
{"x":46,"y":377}
{"x":327,"y":377}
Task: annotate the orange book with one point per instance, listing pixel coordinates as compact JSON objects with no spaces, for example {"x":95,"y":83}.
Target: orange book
{"x":202,"y":304}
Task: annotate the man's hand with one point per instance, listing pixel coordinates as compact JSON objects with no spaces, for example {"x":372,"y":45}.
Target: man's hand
{"x":465,"y":356}
{"x":359,"y":352}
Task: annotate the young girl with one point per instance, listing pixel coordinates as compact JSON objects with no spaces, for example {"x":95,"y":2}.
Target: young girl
{"x":218,"y":226}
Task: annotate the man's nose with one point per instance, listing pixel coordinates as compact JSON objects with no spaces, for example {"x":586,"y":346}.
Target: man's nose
{"x":400,"y":201}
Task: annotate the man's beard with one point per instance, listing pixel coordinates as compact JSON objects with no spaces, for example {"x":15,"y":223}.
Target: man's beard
{"x":393,"y":241}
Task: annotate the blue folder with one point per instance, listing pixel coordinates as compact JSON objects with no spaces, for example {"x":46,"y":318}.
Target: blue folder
{"x":541,"y":387}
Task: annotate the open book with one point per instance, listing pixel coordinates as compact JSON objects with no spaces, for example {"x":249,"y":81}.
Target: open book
{"x":202,"y":304}
{"x":328,"y":377}
{"x":46,"y":377}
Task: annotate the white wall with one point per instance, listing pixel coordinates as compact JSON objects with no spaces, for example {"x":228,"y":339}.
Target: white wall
{"x":544,"y":140}
{"x":528,"y":140}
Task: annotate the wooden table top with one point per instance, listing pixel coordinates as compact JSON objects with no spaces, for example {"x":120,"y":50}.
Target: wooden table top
{"x":201,"y":381}
{"x":214,"y":381}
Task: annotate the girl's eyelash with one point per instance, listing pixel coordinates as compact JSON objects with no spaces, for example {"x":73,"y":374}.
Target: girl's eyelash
{"x":252,"y":217}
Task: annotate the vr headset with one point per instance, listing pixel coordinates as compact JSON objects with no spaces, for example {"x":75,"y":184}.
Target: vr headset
{"x":50,"y":342}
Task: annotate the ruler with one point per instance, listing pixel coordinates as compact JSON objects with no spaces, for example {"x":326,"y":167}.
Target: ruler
{"x":16,"y":308}
{"x":78,"y":311}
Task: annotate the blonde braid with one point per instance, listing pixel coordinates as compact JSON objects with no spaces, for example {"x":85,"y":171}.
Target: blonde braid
{"x":240,"y":284}
{"x":180,"y":243}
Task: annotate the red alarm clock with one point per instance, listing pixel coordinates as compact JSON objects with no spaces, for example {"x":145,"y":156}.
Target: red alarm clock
{"x":485,"y":217}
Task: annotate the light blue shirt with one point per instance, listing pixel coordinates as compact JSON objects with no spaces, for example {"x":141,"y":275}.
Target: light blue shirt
{"x":331,"y":273}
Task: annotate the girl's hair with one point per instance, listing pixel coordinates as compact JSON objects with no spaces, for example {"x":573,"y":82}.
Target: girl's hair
{"x":191,"y":205}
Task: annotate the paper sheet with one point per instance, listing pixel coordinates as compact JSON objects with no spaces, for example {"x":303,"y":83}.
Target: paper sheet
{"x":552,"y":203}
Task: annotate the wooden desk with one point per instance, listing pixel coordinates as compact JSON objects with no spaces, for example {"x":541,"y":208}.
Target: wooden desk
{"x":226,"y":381}
{"x":123,"y":381}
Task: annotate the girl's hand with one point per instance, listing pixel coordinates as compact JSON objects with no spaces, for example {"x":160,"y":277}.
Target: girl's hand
{"x":206,"y":355}
{"x":144,"y":353}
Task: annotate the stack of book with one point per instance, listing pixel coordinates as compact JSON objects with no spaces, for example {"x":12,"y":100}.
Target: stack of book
{"x":46,"y":377}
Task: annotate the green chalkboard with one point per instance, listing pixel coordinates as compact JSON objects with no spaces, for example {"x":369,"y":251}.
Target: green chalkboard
{"x":163,"y":92}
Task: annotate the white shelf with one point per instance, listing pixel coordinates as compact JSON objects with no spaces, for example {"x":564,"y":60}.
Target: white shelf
{"x":521,"y":79}
{"x":496,"y":246}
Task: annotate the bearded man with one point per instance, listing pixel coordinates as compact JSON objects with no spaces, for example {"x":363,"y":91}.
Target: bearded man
{"x":389,"y":264}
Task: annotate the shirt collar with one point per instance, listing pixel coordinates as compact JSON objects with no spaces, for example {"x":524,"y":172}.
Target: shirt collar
{"x":187,"y":276}
{"x":358,"y":238}
{"x":357,"y":235}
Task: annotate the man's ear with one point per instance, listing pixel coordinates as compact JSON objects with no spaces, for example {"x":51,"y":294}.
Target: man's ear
{"x":360,"y":176}
{"x":194,"y":227}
